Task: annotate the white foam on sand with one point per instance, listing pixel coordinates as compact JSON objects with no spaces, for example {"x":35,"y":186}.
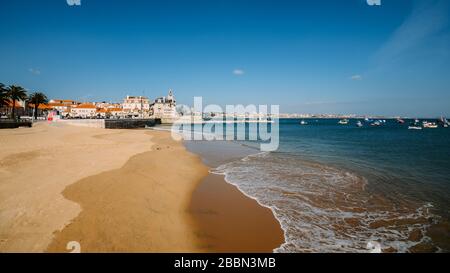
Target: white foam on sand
{"x":324,"y":209}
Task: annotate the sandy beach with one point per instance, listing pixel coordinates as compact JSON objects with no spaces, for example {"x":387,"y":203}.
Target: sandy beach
{"x":231,"y":222}
{"x":119,"y":191}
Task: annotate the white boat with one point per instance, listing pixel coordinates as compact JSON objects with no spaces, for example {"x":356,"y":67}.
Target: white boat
{"x":343,"y":121}
{"x":376,"y":123}
{"x":303,"y":122}
{"x":412,"y":127}
{"x":443,"y":122}
{"x":359,"y":124}
{"x":430,"y":125}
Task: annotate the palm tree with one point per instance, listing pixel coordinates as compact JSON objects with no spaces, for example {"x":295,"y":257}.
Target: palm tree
{"x":37,"y":99}
{"x":4,"y":101}
{"x":16,"y":93}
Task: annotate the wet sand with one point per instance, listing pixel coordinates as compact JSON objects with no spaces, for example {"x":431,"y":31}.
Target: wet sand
{"x":231,"y":222}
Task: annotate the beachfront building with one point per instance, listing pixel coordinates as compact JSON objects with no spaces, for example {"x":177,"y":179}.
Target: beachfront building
{"x":85,"y":110}
{"x":133,"y":105}
{"x":107,"y":105}
{"x":115,"y":112}
{"x":164,"y":107}
{"x":102,"y":113}
{"x":19,"y":108}
{"x":63,"y":107}
{"x":65,"y":102}
{"x":60,"y":107}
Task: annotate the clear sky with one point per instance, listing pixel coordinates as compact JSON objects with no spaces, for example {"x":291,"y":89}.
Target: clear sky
{"x":321,"y":56}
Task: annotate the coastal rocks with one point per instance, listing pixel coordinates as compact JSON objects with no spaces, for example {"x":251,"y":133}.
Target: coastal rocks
{"x":423,"y":248}
{"x":415,"y":236}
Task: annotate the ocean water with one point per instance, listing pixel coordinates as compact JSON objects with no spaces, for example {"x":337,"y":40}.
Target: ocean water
{"x":339,"y":188}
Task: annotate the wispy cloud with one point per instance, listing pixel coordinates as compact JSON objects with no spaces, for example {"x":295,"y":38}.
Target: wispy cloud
{"x":34,"y":71}
{"x":238,"y":72}
{"x":356,"y":78}
{"x":427,"y":20}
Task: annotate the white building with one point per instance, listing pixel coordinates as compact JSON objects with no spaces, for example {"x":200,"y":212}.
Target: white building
{"x":164,"y":107}
{"x":85,"y":110}
{"x":132,"y":104}
{"x":115,"y":112}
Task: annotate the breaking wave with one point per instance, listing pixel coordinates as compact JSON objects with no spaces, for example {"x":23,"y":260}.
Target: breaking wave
{"x":326,"y":209}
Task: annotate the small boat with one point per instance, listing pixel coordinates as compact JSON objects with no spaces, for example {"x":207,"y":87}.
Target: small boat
{"x":401,"y":121}
{"x":443,"y":122}
{"x":303,"y":122}
{"x":359,"y":124}
{"x":343,"y":122}
{"x":430,"y":125}
{"x":413,"y":127}
{"x":376,"y":123}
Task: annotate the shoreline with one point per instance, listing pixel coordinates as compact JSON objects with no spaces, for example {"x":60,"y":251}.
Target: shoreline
{"x":257,"y":229}
{"x":262,"y":220}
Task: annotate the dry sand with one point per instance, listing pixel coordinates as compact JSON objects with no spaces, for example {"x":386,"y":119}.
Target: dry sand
{"x":36,"y":165}
{"x":119,"y":191}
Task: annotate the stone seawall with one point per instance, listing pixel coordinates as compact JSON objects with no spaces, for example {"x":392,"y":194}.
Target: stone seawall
{"x":129,"y":123}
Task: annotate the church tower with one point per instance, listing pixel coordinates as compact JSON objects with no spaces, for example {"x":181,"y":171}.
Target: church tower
{"x":170,"y":97}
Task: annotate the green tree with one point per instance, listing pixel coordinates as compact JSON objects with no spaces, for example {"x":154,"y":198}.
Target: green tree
{"x":15,"y":93}
{"x":4,"y":100}
{"x":37,"y":99}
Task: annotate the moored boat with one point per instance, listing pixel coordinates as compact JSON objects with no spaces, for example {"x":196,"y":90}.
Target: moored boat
{"x":376,"y":123}
{"x":430,"y":125}
{"x":415,"y":125}
{"x":343,"y":121}
{"x":443,"y":122}
{"x":401,"y":121}
{"x":412,"y":127}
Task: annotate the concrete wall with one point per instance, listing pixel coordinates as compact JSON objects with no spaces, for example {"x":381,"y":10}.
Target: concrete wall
{"x":91,"y":123}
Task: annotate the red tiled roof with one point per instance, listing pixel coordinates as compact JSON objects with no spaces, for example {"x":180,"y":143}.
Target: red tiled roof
{"x":55,"y":104}
{"x":115,"y":109}
{"x":41,"y":106}
{"x":86,"y":106}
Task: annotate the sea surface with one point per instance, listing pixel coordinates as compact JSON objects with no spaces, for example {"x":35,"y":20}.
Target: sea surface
{"x":340,"y":188}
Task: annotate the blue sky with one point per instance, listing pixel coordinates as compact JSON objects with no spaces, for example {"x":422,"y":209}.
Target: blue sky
{"x":322,"y":56}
